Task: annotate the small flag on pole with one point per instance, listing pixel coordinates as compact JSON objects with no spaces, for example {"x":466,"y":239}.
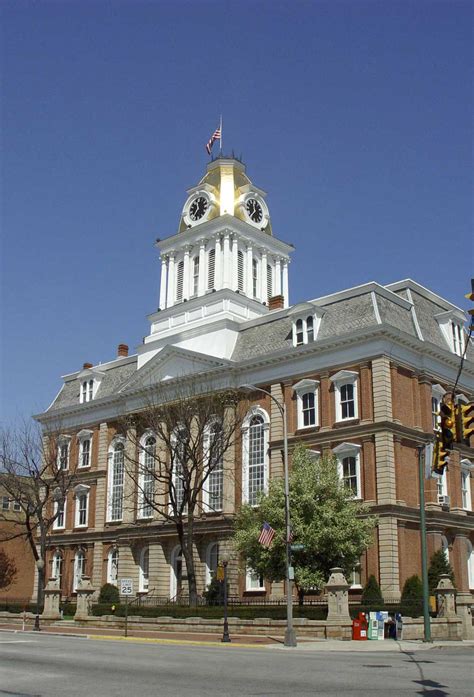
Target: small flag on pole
{"x":217,"y":135}
{"x":266,"y":535}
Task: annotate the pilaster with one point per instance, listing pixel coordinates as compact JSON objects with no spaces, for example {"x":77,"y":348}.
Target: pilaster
{"x":129,"y":488}
{"x":388,"y":558}
{"x":276,"y":433}
{"x":382,"y":389}
{"x":385,"y":465}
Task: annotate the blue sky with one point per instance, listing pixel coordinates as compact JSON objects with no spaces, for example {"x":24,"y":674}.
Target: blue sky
{"x":354,"y":116}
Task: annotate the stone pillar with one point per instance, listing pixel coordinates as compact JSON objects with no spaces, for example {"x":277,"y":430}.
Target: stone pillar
{"x":276,"y":432}
{"x":52,"y":598}
{"x":128,"y":483}
{"x":382,"y":389}
{"x":389,"y":558}
{"x":97,"y":564}
{"x":163,"y":281}
{"x":337,"y":590}
{"x":325,"y":402}
{"x":218,"y":265}
{"x":229,"y":467}
{"x":171,"y":281}
{"x":385,"y":464}
{"x":285,"y":284}
{"x":464,"y":603}
{"x":249,"y":272}
{"x":159,"y":572}
{"x":202,"y":268}
{"x":367,"y":414}
{"x":445,"y":597}
{"x":85,"y":591}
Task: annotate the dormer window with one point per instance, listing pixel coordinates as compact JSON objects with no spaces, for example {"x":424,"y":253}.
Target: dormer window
{"x":89,"y":382}
{"x":87,"y":390}
{"x":452,"y":326}
{"x":306,"y":322}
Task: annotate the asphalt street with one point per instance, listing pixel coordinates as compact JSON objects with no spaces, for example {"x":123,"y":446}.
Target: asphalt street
{"x":52,"y":666}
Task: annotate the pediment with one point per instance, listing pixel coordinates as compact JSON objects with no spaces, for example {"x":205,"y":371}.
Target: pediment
{"x":171,"y":363}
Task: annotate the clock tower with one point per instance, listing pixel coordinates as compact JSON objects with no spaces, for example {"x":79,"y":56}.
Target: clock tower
{"x":221,"y":268}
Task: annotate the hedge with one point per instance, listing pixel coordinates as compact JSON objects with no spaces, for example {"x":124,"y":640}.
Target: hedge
{"x":275,"y":612}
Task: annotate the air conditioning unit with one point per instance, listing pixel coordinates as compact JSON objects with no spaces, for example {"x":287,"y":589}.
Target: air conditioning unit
{"x":444,"y":501}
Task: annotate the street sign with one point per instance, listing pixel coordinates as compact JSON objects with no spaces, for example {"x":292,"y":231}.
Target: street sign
{"x":126,"y":586}
{"x":296,"y":548}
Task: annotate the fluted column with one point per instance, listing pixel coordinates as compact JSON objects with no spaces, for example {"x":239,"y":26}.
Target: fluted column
{"x":263,"y":278}
{"x":235,"y":264}
{"x":202,"y":268}
{"x":186,"y":274}
{"x":278,"y":276}
{"x":226,"y":262}
{"x":163,"y":280}
{"x":171,"y":275}
{"x":285,"y":284}
{"x":218,"y":265}
{"x":249,"y":271}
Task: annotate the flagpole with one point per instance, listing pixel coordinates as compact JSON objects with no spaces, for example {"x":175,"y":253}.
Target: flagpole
{"x":221,"y":134}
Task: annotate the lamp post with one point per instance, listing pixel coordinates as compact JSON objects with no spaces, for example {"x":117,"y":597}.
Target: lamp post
{"x":225,"y":636}
{"x":290,"y":636}
{"x":40,"y":567}
{"x":424,"y":556}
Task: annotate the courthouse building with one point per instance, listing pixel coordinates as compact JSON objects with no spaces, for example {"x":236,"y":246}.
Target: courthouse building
{"x":362,"y":372}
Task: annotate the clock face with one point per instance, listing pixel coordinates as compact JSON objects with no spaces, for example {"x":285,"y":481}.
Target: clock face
{"x":254,"y":210}
{"x":198,"y":208}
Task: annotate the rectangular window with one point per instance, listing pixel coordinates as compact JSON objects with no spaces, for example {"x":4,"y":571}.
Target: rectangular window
{"x":63,"y":456}
{"x":85,"y":453}
{"x":254,"y":581}
{"x":5,"y":503}
{"x":466,"y":489}
{"x":256,"y":462}
{"x":435,"y":415}
{"x":16,"y":506}
{"x":349,"y":473}
{"x":347,"y":401}
{"x":60,"y":512}
{"x":442,"y":486}
{"x":196,"y":276}
{"x":308,"y":409}
{"x":456,"y":333}
{"x":81,"y":510}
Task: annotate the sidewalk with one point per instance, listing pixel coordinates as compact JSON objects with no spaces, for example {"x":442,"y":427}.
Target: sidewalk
{"x":238,"y":641}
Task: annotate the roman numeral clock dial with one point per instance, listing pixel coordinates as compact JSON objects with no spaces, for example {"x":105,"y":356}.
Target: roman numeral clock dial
{"x":198,"y":208}
{"x":254,"y":210}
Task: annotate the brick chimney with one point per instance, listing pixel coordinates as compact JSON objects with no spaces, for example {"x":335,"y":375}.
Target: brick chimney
{"x":276,"y":302}
{"x":122,"y":351}
{"x":87,"y":365}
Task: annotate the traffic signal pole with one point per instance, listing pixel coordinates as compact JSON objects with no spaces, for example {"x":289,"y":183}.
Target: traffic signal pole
{"x":424,"y":554}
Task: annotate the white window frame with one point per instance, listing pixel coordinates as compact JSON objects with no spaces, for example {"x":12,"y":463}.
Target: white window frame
{"x":145,"y":509}
{"x":470,"y":565}
{"x":356,"y":574}
{"x":209,"y":554}
{"x":175,"y":553}
{"x":64,"y":441}
{"x":16,"y":506}
{"x":452,"y":327}
{"x":144,"y":570}
{"x":442,"y":485}
{"x":215,"y":479}
{"x":82,"y":437}
{"x":5,"y":503}
{"x":113,"y":560}
{"x":302,"y":388}
{"x":117,"y":441}
{"x":57,"y":525}
{"x":349,"y":450}
{"x":302,"y":313}
{"x":339,"y":380}
{"x":81,"y":491}
{"x":254,"y":411}
{"x":79,"y":568}
{"x":437,"y":394}
{"x":466,"y":469}
{"x":251,"y":579}
{"x":57,"y":566}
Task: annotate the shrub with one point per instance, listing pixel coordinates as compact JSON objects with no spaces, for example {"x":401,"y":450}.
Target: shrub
{"x":109,"y":594}
{"x":372,"y":598}
{"x":244,"y":612}
{"x":439,"y":565}
{"x":411,"y":602}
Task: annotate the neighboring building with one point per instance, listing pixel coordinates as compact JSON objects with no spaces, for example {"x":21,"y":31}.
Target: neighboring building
{"x":14,"y":544}
{"x":361,"y":371}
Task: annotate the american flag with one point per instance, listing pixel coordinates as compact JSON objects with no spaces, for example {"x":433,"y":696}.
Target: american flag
{"x":215,"y":136}
{"x":267,"y":534}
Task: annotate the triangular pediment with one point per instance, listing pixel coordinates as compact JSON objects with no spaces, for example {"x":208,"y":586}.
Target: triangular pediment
{"x":171,"y":363}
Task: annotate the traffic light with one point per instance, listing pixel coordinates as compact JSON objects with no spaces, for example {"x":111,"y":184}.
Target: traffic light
{"x":470,"y":296}
{"x":440,"y":457}
{"x":467,"y":420}
{"x":448,"y":425}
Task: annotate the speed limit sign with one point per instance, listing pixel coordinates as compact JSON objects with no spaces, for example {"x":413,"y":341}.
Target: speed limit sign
{"x":126,"y":586}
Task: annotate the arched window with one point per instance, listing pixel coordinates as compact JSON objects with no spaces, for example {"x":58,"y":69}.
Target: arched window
{"x":254,"y":277}
{"x":116,"y":476}
{"x":211,"y":267}
{"x":195,"y":275}
{"x":212,"y":561}
{"x":309,"y":328}
{"x":269,"y":281}
{"x":57,"y":567}
{"x":143,"y":581}
{"x":213,"y":490}
{"x":79,"y":568}
{"x":470,"y":565}
{"x":299,"y":332}
{"x":255,"y":454}
{"x":179,"y":280}
{"x":176,"y":573}
{"x":146,"y":477}
{"x":348,"y":465}
{"x":240,"y":271}
{"x":112,"y":566}
{"x":308,"y":409}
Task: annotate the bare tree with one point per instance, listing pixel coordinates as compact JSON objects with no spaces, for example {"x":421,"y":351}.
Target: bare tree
{"x":7,"y":570}
{"x":177,"y":460}
{"x":35,"y":475}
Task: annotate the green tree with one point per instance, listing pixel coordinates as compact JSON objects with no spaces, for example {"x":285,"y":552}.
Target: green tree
{"x":109,"y":594}
{"x":333,"y":527}
{"x":439,"y":565}
{"x":372,"y":595}
{"x":411,"y":603}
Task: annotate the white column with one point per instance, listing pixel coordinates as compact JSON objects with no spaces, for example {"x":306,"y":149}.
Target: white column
{"x":170,"y":301}
{"x":227,"y":262}
{"x":202,"y":268}
{"x":249,"y":270}
{"x":285,"y":284}
{"x":186,"y":274}
{"x":278,"y":276}
{"x":235,"y":264}
{"x":263,"y":277}
{"x":164,"y":274}
{"x":218,"y":267}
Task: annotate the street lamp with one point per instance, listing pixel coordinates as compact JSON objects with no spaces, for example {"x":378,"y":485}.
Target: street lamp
{"x":40,"y":567}
{"x":225,"y":636}
{"x":290,"y":636}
